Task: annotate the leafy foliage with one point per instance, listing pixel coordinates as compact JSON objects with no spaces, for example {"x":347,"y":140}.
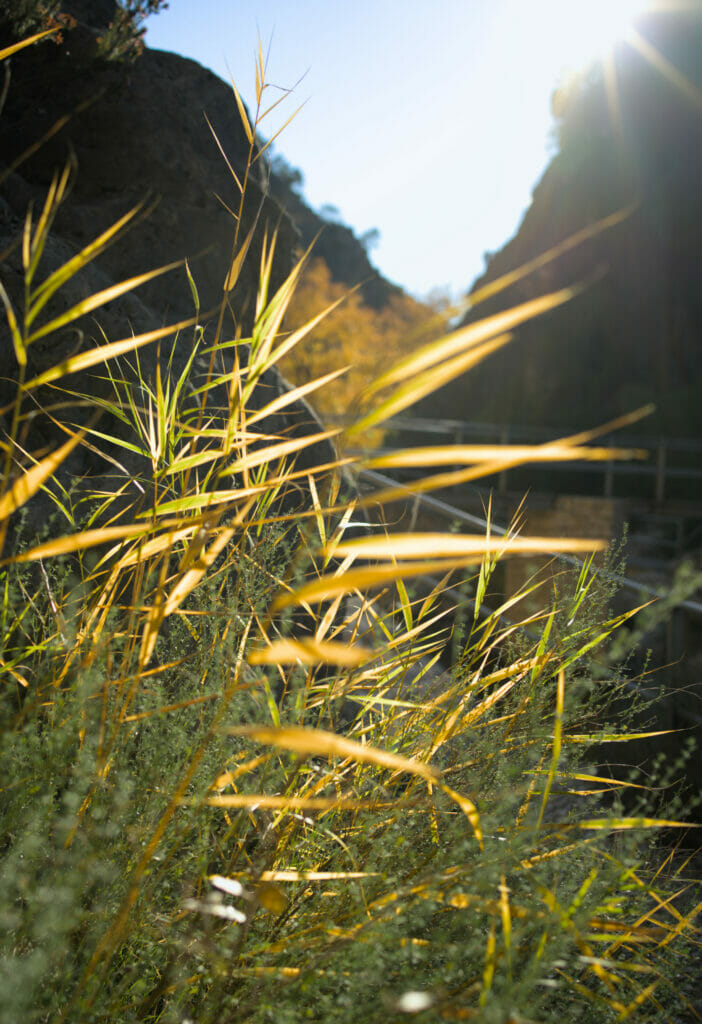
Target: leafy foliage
{"x":122,"y":39}
{"x":125,"y":36}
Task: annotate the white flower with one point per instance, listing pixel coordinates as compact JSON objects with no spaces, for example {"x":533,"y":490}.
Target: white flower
{"x":414,"y":1002}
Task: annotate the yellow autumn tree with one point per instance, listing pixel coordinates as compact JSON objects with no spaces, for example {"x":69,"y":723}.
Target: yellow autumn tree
{"x":366,"y":340}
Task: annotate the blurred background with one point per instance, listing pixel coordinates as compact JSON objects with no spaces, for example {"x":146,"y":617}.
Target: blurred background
{"x":442,"y":111}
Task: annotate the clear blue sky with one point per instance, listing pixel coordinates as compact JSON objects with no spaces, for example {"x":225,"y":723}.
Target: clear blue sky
{"x":427,"y":119}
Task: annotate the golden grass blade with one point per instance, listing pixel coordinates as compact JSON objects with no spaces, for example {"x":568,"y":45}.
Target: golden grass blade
{"x":185,"y":462}
{"x":242,"y":114}
{"x":207,"y":500}
{"x":468,"y":808}
{"x":27,"y":232}
{"x":104,"y":352}
{"x":7,"y":51}
{"x":164,"y":541}
{"x":172,"y":707}
{"x":193,"y":576}
{"x":260,"y":77}
{"x":69,"y":269}
{"x":616,"y":824}
{"x":443,"y":455}
{"x":423,"y":384}
{"x":271,"y":898}
{"x":32,"y":479}
{"x":319,"y":518}
{"x":280,"y":130}
{"x":506,"y":916}
{"x":447,"y":545}
{"x":310,"y":652}
{"x":154,"y":621}
{"x":79,"y":541}
{"x":605,"y":781}
{"x":474,"y":714}
{"x":614,"y":737}
{"x":17,"y":339}
{"x":468,"y":337}
{"x":14,"y":673}
{"x":293,"y":803}
{"x":282,"y":349}
{"x":640,"y":999}
{"x":315,"y":876}
{"x":493,"y":287}
{"x":556,"y":749}
{"x":97,"y":300}
{"x":238,"y":260}
{"x":226,"y":159}
{"x":292,"y":396}
{"x":439,"y":481}
{"x":262,"y":456}
{"x":270,"y":316}
{"x":276,"y":103}
{"x":263,"y":310}
{"x":618,"y":423}
{"x":358,"y":579}
{"x":32,"y":249}
{"x":489,"y":968}
{"x":666,"y":68}
{"x":319,"y":743}
{"x":683,"y":924}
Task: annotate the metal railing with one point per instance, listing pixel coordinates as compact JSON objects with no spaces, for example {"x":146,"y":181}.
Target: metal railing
{"x":671,"y":460}
{"x":452,"y":513}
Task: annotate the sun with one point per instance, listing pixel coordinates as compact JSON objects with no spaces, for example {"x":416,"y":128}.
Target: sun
{"x":577,"y":33}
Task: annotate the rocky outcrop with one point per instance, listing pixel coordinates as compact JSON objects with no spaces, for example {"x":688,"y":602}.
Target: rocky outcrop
{"x":632,"y":336}
{"x":136,"y":133}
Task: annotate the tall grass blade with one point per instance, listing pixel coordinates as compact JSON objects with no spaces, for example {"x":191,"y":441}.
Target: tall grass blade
{"x":95,"y":356}
{"x":98,"y":299}
{"x":8,"y":51}
{"x":469,"y":337}
{"x":32,"y":479}
{"x":319,"y":743}
{"x":310,"y":652}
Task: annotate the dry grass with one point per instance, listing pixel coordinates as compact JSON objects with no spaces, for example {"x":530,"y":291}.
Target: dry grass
{"x":231,"y":793}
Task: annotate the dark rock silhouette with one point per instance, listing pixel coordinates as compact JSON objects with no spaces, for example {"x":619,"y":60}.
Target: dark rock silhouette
{"x":136,"y":132}
{"x":631,"y":137}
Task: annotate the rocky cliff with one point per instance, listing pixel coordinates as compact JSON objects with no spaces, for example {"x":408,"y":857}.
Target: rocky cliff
{"x":630,"y":135}
{"x":135,"y":132}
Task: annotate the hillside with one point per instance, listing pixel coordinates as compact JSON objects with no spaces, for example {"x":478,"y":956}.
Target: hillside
{"x":136,"y":131}
{"x":632,"y":136}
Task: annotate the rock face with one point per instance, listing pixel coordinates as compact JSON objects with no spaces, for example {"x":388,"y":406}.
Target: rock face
{"x":135,"y":132}
{"x":141,"y":135}
{"x":633,"y":336}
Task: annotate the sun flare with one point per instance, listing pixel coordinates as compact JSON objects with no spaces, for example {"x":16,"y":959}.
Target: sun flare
{"x":577,"y":32}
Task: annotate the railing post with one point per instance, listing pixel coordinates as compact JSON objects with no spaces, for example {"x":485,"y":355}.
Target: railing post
{"x":609,"y":479}
{"x":660,"y":472}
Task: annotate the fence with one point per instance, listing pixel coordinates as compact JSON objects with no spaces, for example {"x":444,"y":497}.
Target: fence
{"x":672,"y":470}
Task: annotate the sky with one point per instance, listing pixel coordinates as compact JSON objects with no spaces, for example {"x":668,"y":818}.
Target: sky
{"x":428,"y":120}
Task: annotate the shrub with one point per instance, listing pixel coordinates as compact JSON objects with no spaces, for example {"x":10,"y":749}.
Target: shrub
{"x":122,"y":38}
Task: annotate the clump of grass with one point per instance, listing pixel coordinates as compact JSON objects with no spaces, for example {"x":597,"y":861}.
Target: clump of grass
{"x":187,"y":832}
